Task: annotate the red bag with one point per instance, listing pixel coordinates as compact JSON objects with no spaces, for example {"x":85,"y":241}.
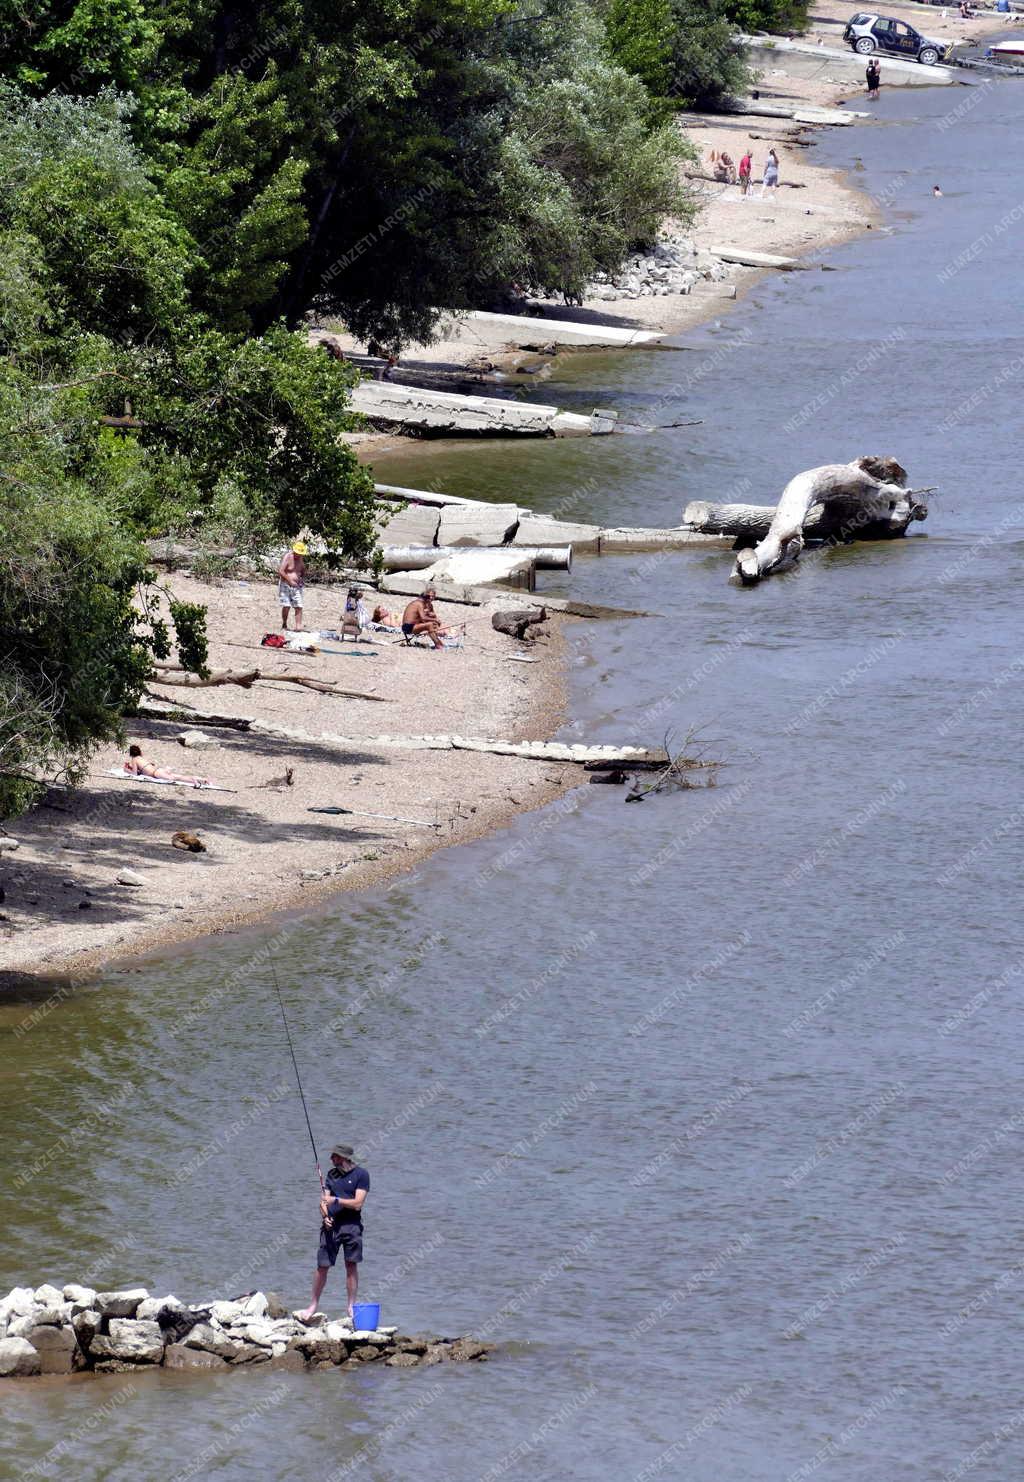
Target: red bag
{"x":273,"y":640}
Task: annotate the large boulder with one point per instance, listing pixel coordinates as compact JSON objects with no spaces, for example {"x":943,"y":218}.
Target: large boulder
{"x":22,"y":1325}
{"x":80,"y":1297}
{"x":340,"y":1327}
{"x":131,"y":1341}
{"x":85,"y":1326}
{"x":19,"y":1301}
{"x":275,"y":1307}
{"x":154,"y":1309}
{"x":120,"y":1304}
{"x":212,"y":1340}
{"x":250,"y":1353}
{"x":519,"y":621}
{"x":256,"y":1305}
{"x":48,"y":1296}
{"x":180,"y":1356}
{"x":318,"y":1347}
{"x":177,"y":1323}
{"x":56,"y":1348}
{"x":464,"y":1350}
{"x":402,"y":1361}
{"x":18,"y":1358}
{"x":227,"y":1313}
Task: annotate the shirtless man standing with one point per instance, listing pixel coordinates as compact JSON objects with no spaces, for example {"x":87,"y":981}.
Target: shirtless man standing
{"x":291,"y":578}
{"x":420,"y":617}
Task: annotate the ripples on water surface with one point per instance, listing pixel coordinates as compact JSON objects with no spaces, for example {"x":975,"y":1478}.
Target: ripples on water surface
{"x":709,"y":1106}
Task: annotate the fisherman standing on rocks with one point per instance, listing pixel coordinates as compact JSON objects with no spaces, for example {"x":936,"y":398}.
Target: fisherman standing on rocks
{"x":347,"y":1186}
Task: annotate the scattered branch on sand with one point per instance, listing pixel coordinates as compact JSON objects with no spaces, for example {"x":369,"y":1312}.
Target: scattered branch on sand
{"x":173,"y":674}
{"x":676,"y":775}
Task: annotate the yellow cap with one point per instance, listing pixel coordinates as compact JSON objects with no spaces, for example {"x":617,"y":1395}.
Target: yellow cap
{"x":300,"y":548}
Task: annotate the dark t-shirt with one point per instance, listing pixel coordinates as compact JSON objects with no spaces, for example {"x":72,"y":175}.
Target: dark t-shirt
{"x":343,"y":1186}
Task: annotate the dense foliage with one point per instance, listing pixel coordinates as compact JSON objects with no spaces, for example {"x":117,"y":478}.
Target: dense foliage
{"x":767,"y":15}
{"x":124,"y":412}
{"x":182,"y":183}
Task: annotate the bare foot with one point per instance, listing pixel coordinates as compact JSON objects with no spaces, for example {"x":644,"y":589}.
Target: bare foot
{"x":306,"y":1314}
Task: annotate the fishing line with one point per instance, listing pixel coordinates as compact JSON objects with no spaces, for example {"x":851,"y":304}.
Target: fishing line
{"x":298,"y":1078}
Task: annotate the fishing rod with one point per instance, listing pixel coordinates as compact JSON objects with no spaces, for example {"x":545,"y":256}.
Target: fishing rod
{"x":298,"y":1078}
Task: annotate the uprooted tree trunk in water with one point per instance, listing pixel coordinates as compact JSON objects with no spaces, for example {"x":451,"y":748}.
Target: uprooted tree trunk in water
{"x":864,"y":500}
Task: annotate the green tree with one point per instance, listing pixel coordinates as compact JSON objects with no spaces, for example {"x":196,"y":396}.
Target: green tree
{"x":706,"y":63}
{"x":767,"y":15}
{"x":640,"y":36}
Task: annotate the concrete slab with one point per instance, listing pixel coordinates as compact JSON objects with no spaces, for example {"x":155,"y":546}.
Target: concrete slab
{"x":444,"y":411}
{"x":416,"y":525}
{"x":546,"y":530}
{"x":760,"y":259}
{"x":803,"y":59}
{"x":478,"y":524}
{"x":530,"y":333}
{"x":474,"y":568}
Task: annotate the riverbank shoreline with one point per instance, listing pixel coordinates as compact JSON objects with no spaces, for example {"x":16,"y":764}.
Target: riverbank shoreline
{"x":67,"y":913}
{"x":817,"y":207}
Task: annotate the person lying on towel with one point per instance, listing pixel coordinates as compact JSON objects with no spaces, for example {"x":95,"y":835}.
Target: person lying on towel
{"x":138,"y":766}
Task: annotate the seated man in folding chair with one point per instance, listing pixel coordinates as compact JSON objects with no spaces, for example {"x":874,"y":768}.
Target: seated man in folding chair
{"x":420,"y":617}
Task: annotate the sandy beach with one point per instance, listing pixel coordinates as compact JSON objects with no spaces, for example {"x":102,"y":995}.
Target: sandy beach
{"x":64,"y":908}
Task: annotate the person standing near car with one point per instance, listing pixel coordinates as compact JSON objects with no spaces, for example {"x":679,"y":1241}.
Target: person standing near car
{"x":874,"y":78}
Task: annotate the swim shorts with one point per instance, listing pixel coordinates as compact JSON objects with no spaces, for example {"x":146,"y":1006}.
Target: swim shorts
{"x":348,"y":1240}
{"x":408,"y":628}
{"x":289,"y":596}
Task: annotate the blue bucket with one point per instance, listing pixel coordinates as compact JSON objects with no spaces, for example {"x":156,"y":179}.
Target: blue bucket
{"x":365,"y":1316}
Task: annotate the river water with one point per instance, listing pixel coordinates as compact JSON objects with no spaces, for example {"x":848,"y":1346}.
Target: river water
{"x":707,"y":1108}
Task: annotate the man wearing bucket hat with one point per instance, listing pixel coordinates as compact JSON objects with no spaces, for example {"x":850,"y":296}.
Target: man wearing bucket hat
{"x":291,"y":579}
{"x":342,"y":1228}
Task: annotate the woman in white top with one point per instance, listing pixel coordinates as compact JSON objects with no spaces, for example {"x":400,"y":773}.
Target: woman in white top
{"x":771,"y":172}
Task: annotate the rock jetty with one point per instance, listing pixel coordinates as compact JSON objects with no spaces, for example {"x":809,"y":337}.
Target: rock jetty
{"x":674,"y":265}
{"x":65,"y":1330}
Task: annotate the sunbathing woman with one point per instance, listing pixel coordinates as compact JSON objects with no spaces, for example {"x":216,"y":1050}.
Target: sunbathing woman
{"x":138,"y":766}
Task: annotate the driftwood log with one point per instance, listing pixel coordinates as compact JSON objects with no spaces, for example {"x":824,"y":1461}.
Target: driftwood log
{"x":517,"y":621}
{"x":173,"y":675}
{"x":866,"y":494}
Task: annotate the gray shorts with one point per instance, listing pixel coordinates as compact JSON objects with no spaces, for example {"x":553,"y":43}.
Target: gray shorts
{"x":289,"y":596}
{"x":348,"y":1241}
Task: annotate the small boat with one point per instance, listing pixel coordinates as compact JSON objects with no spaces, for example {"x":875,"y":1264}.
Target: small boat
{"x":1010,"y":51}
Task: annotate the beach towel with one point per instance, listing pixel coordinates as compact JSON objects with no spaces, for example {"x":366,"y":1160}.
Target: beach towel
{"x":124,"y":776}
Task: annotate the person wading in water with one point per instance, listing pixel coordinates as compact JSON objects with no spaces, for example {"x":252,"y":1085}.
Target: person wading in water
{"x":342,"y":1229}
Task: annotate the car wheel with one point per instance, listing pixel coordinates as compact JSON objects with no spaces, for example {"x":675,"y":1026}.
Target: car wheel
{"x":928,"y":56}
{"x":864,"y":44}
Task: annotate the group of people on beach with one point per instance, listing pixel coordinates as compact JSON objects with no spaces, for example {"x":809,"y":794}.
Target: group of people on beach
{"x":419,"y":617}
{"x":723,"y":169}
